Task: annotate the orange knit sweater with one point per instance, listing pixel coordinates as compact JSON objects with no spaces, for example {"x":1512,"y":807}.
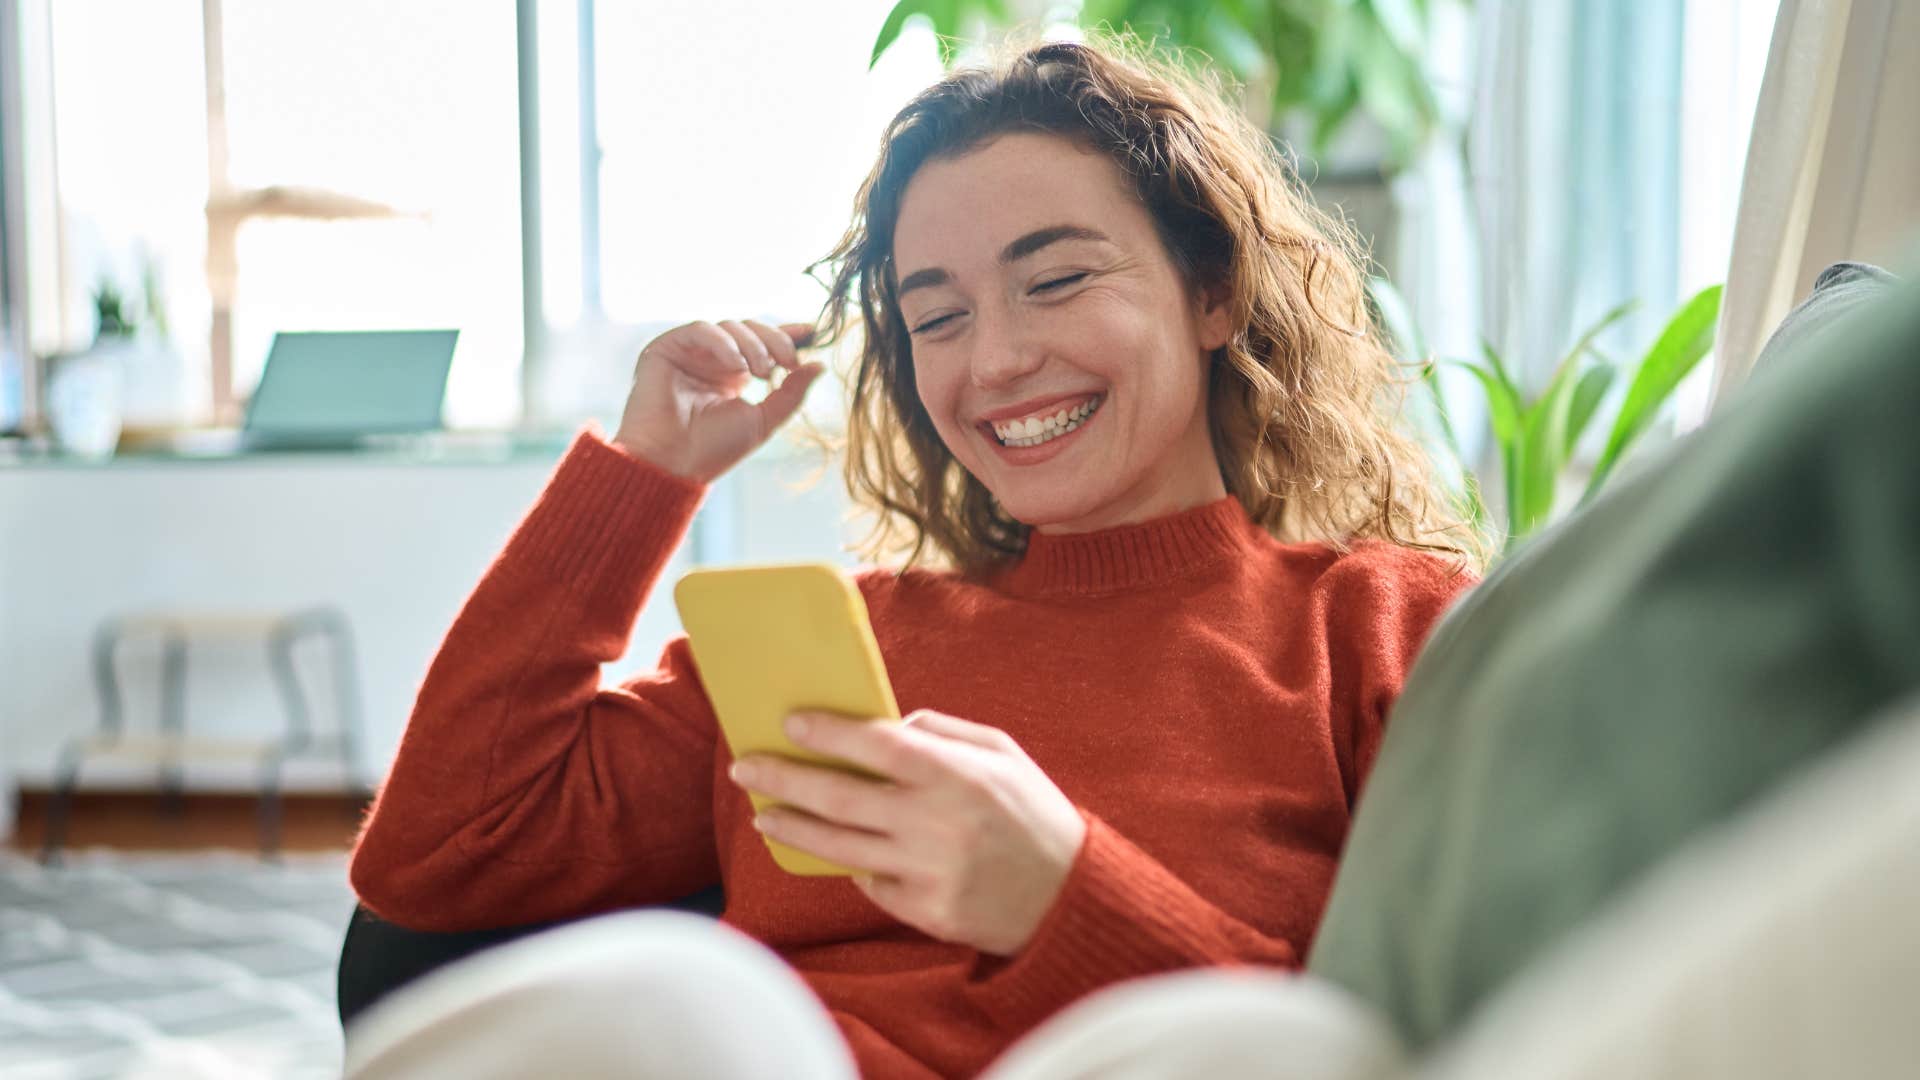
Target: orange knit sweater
{"x":1210,"y":698}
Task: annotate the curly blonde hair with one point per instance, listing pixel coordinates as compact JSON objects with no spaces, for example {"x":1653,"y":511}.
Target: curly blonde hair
{"x":1299,"y":401}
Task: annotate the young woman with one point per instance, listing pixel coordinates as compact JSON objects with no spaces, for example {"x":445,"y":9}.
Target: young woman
{"x":1166,"y":568}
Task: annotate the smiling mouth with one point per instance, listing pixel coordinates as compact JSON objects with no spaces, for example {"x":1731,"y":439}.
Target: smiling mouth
{"x":1037,"y":431}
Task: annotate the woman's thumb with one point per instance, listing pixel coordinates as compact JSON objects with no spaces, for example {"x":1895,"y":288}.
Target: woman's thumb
{"x":783,"y":400}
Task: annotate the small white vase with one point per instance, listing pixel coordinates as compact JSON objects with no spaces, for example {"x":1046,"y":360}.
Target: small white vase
{"x":84,"y":402}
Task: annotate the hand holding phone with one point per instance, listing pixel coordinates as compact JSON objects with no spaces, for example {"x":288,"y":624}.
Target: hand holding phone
{"x":774,"y":640}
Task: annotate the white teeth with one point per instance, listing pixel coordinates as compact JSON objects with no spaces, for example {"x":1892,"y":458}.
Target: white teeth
{"x":1033,"y":431}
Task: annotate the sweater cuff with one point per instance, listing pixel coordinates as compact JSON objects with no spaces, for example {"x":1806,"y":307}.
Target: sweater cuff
{"x":1120,"y":915}
{"x":606,"y":514}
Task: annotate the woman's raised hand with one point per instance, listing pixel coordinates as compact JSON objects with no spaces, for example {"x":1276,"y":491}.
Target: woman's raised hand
{"x":685,"y":413}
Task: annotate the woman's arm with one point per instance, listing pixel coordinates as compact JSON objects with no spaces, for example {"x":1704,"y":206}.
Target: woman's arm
{"x":1121,"y":914}
{"x":522,"y":790}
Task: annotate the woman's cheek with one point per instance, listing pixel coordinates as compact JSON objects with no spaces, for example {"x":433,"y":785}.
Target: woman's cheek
{"x":939,"y":396}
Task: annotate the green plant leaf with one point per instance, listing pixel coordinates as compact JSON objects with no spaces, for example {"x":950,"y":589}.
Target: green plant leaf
{"x":1333,"y":115}
{"x":1503,"y":402}
{"x":1618,"y":312}
{"x":890,"y":29}
{"x":1688,"y":337}
{"x":1536,"y":464}
{"x":1393,"y":90}
{"x":1229,"y":42}
{"x":1430,"y":378}
{"x":1326,"y":59}
{"x":1397,"y":315}
{"x":1550,"y":431}
{"x":1508,"y":418}
{"x":1476,"y":507}
{"x":1587,"y":395}
{"x":1550,"y":434}
{"x":1404,"y":21}
{"x":1408,"y":346}
{"x":947,"y":16}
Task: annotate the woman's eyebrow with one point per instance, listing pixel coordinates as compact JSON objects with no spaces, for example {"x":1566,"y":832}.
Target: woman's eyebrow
{"x":1040,"y":238}
{"x":1019,"y":249}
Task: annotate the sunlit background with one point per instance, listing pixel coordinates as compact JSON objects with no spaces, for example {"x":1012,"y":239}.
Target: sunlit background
{"x":725,"y":142}
{"x":730,"y":137}
{"x":1554,"y":190}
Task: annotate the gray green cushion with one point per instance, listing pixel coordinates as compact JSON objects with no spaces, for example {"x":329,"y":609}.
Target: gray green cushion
{"x":1641,"y":671}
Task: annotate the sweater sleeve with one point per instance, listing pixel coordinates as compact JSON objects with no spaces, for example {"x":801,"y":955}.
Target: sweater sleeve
{"x":524,"y":791}
{"x":1379,"y":604}
{"x":1121,"y":914}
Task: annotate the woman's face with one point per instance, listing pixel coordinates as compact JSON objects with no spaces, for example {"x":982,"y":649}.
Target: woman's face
{"x":1035,"y":289}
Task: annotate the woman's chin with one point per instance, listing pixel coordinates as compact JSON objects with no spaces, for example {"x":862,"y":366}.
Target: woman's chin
{"x":1049,"y":510}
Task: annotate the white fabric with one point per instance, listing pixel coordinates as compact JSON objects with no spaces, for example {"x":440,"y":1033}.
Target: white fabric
{"x":1833,"y":169}
{"x":1784,"y":945}
{"x":656,"y":993}
{"x":1224,"y":1025}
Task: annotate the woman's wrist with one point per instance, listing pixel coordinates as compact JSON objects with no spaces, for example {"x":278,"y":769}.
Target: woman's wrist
{"x":657,"y":457}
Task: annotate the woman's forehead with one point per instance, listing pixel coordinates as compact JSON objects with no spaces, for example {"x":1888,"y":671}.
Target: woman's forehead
{"x":968,"y":207}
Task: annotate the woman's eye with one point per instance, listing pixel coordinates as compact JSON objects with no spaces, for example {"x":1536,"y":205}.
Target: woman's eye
{"x":1058,"y":282}
{"x":933,"y":324}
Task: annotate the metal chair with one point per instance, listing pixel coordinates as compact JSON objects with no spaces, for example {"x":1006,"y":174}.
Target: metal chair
{"x":172,"y":748}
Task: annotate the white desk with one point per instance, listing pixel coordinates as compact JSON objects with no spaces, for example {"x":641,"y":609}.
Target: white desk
{"x":396,"y":542}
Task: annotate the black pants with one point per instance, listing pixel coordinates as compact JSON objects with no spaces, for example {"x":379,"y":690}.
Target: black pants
{"x":379,"y":957}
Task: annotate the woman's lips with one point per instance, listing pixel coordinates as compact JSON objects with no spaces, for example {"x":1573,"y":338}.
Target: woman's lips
{"x":1034,"y":455}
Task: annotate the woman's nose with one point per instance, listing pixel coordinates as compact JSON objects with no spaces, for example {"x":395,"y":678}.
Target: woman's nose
{"x":1002,"y":354}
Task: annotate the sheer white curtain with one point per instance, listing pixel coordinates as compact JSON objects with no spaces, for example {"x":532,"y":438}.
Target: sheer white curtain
{"x":1575,"y":160}
{"x":1833,"y":169}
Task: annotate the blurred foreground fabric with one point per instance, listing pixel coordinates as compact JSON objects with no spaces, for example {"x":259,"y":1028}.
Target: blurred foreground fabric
{"x":1655,"y":665}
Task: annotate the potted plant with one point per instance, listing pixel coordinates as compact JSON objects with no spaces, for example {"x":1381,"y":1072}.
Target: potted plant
{"x":1537,"y":436}
{"x":1347,"y":80}
{"x":128,"y":376}
{"x":1323,"y":62}
{"x":86,"y":389}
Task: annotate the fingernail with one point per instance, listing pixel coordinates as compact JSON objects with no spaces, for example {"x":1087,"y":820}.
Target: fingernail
{"x":796,"y":726}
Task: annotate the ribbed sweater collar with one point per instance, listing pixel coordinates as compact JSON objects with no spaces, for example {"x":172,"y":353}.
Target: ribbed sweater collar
{"x":1130,"y":556}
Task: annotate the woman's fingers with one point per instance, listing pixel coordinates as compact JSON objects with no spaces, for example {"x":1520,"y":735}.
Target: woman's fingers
{"x":829,"y":793}
{"x":779,"y":345}
{"x":893,"y":751}
{"x":703,"y":351}
{"x":953,"y":727}
{"x":853,"y":848}
{"x":784,"y":399}
{"x":759,"y":361}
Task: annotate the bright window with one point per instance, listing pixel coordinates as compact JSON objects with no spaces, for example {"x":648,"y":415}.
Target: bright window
{"x":410,"y":106}
{"x":733,"y":135}
{"x":414,"y":107}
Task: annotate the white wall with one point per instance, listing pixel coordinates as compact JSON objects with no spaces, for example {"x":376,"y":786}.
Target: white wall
{"x":398,"y":546}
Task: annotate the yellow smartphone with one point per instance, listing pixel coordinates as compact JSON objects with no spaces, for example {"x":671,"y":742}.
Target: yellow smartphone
{"x":777,"y":639}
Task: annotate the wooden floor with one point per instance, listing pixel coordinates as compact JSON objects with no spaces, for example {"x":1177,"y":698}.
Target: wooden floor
{"x":141,"y":820}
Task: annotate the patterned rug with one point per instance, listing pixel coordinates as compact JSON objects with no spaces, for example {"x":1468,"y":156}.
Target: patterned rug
{"x":133,"y":965}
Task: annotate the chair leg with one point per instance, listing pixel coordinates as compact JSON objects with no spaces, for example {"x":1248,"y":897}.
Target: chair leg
{"x":299,"y":735}
{"x":66,"y":776}
{"x":347,"y":704}
{"x":173,"y":721}
{"x":270,"y":810}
